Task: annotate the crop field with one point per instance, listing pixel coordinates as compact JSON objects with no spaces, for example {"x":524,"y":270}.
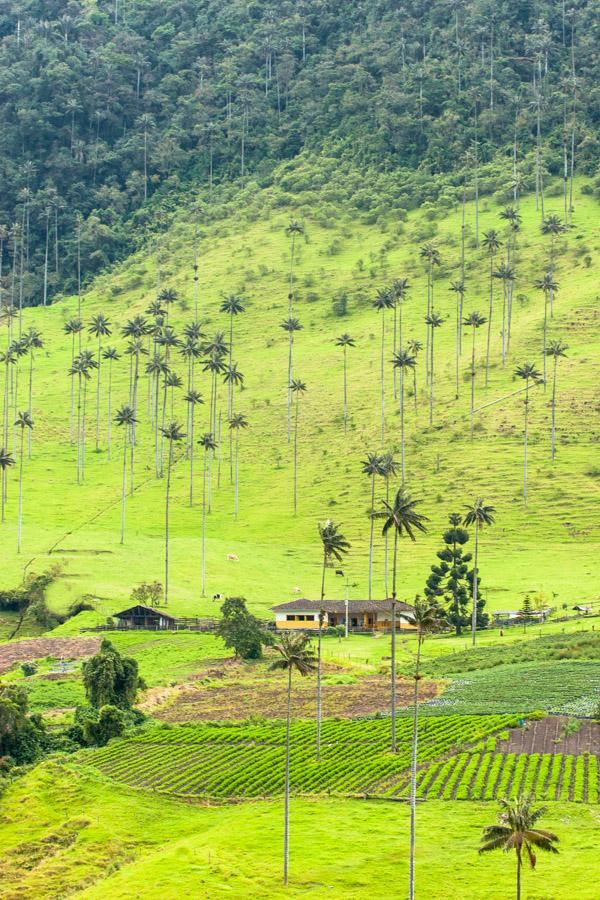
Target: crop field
{"x":567,"y":687}
{"x":490,"y":775}
{"x":247,"y":760}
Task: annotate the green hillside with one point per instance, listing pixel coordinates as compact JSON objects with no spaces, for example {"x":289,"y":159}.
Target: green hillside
{"x":548,"y":545}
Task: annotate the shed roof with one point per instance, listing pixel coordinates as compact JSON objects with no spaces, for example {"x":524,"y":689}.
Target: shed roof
{"x":143,"y":612}
{"x":339,"y":606}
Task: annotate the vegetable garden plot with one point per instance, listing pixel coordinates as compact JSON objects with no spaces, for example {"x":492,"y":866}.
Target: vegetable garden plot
{"x":248,"y":760}
{"x":489,"y":776}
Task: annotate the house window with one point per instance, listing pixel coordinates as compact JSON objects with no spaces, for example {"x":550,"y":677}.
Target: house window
{"x":354,"y":622}
{"x":290,"y":618}
{"x":301,"y":618}
{"x":310,"y":618}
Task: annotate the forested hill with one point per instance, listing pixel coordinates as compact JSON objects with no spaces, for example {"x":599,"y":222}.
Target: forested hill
{"x":112,"y":112}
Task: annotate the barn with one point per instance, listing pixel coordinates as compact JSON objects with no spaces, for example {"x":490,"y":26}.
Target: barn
{"x":144,"y":618}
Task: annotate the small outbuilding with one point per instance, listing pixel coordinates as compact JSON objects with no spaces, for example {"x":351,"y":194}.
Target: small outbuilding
{"x":363,"y":615}
{"x":144,"y":618}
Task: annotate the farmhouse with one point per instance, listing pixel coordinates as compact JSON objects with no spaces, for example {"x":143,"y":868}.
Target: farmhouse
{"x":144,"y":617}
{"x":363,"y":615}
{"x":516,"y":616}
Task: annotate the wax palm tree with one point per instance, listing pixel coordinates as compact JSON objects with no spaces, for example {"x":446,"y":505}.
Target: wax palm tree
{"x":555,"y":349}
{"x":335,"y":546}
{"x":400,"y":289}
{"x":415,"y":348}
{"x":73,"y":328}
{"x":174,"y":381}
{"x":298,"y":388}
{"x":209,"y":445}
{"x":431,"y":256}
{"x":372,"y":466}
{"x":111,"y":355}
{"x":24,"y":421}
{"x":383,"y":301}
{"x":215,"y":366}
{"x":390,"y":470}
{"x":480,"y":515}
{"x":190,"y":351}
{"x":233,"y":378}
{"x":134,"y":350}
{"x":33,"y":340}
{"x":528,"y":373}
{"x":344,"y":341}
{"x":549,"y":286}
{"x":294,"y":230}
{"x":193,"y":398}
{"x":296,"y":656}
{"x":506,"y":275}
{"x":237,"y":422}
{"x":157,"y":368}
{"x":126,"y":419}
{"x":554,"y":227}
{"x":432,"y":321}
{"x":6,"y":460}
{"x":403,"y":518}
{"x":492,"y":244}
{"x":427,"y":618}
{"x":403,"y":360}
{"x":458,"y":289}
{"x":167,"y":297}
{"x":291,"y":325}
{"x":174,"y":434}
{"x":82,"y":367}
{"x":99,"y":327}
{"x":518,"y":830}
{"x":233,"y":306}
{"x":474,"y":321}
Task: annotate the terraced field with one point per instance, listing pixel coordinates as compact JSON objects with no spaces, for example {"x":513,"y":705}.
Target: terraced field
{"x":247,"y":760}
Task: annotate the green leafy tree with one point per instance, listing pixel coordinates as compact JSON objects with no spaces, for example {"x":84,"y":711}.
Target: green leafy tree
{"x":296,"y":655}
{"x":240,"y":630}
{"x":110,"y":723}
{"x":518,"y":830}
{"x":110,"y":679}
{"x":23,"y":738}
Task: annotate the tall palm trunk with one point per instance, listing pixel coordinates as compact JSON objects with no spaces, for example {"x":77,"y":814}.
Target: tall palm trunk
{"x":286,"y":790}
{"x":20,"y":523}
{"x":204,"y":523}
{"x":415,"y":392}
{"x":431,"y":377}
{"x":30,"y":434}
{"x":98,"y":396}
{"x":473,"y":385}
{"x":345,"y":389}
{"x":475,"y":587}
{"x":545,"y":334}
{"x":371,"y":537}
{"x":191,"y":451}
{"x":402,"y":421}
{"x":382,"y":377}
{"x":393,"y":672}
{"x":554,"y":409}
{"x":491,"y":310}
{"x":124,"y":485}
{"x":169,"y":464}
{"x":78,"y":429}
{"x":296,"y":452}
{"x":413,"y":774}
{"x":236,"y":495}
{"x":83,"y":429}
{"x":109,"y":421}
{"x":518,"y":877}
{"x":526,"y":439}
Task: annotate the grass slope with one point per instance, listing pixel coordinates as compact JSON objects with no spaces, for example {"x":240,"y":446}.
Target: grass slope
{"x":126,"y":844}
{"x":548,"y":546}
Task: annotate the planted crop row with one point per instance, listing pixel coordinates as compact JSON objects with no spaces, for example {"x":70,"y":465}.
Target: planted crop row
{"x":487,"y":776}
{"x":248,"y":760}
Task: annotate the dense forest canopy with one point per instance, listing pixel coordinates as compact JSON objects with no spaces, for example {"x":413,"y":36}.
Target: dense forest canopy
{"x":106,"y":107}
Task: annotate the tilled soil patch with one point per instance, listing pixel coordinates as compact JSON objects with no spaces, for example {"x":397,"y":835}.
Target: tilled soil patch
{"x":38,"y":648}
{"x":238,"y":701}
{"x":548,"y":736}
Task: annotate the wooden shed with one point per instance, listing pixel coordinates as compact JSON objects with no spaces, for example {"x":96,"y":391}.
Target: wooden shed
{"x":145,"y":618}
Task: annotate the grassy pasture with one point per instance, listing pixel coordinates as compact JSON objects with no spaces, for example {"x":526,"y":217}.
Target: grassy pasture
{"x":548,"y":546}
{"x":125,"y":843}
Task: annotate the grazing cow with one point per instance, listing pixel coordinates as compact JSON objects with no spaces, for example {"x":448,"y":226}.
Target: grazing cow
{"x":233,"y":557}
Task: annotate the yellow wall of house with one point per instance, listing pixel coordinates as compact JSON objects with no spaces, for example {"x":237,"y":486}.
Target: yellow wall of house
{"x":286,"y":625}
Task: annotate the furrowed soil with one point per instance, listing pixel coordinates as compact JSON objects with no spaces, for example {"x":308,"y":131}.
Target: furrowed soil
{"x":38,"y":648}
{"x":232,"y":693}
{"x":548,"y":736}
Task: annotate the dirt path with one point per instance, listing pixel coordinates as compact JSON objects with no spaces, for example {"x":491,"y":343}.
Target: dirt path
{"x":38,"y":648}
